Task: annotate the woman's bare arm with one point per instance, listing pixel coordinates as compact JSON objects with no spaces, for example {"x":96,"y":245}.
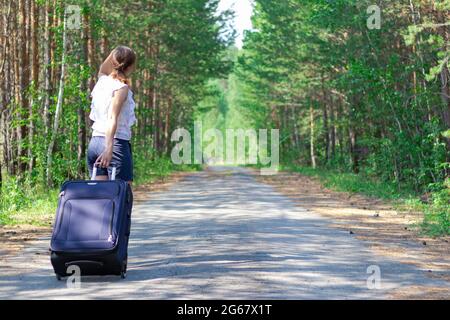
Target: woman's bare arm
{"x":116,"y":106}
{"x":106,"y":67}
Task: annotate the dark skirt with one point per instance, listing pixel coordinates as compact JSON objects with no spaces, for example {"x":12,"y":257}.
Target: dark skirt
{"x":122,"y":158}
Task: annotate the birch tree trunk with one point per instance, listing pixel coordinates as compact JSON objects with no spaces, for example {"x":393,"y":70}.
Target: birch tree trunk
{"x":58,"y":106}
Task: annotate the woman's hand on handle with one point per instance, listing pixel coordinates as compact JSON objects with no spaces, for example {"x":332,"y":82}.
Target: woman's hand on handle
{"x":105,"y":158}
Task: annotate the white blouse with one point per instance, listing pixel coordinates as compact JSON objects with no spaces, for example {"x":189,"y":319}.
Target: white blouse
{"x":102,"y":95}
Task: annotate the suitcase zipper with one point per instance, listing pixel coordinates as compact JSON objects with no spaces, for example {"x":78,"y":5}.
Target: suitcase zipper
{"x":110,"y":238}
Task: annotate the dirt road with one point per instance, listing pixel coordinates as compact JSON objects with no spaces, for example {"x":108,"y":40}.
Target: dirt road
{"x":221,"y":234}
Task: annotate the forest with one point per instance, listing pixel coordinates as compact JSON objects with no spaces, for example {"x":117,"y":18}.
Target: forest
{"x":348,"y":97}
{"x":51,"y":51}
{"x":356,"y":87}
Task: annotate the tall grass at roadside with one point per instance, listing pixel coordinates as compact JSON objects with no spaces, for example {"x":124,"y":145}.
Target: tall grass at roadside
{"x":436,"y":210}
{"x":24,"y":204}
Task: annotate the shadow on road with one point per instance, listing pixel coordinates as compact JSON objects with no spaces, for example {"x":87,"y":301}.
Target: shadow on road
{"x":216,"y":236}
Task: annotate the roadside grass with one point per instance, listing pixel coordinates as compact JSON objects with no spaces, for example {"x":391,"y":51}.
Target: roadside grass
{"x":436,"y":211}
{"x":21,"y":204}
{"x":436,"y":220}
{"x":355,"y":183}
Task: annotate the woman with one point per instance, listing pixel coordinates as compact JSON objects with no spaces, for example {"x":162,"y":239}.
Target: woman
{"x":112,"y":111}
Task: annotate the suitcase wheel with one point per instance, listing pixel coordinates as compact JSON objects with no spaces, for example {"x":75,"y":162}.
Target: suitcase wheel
{"x":58,"y":277}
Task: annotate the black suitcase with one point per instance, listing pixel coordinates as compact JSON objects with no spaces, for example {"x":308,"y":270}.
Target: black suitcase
{"x":92,"y":227}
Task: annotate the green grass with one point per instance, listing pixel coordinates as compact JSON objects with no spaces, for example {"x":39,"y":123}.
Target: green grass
{"x":436,"y":214}
{"x":22,"y":205}
{"x":25,"y":205}
{"x":355,"y":183}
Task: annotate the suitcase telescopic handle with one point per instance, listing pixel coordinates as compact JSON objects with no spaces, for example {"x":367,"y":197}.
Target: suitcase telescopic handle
{"x":94,"y":173}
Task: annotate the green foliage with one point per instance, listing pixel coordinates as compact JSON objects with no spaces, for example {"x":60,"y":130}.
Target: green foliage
{"x":147,"y":170}
{"x":15,"y":199}
{"x":437,"y":213}
{"x":379,"y":92}
{"x":181,"y":45}
{"x":22,"y":204}
{"x":436,"y":220}
{"x":355,"y":183}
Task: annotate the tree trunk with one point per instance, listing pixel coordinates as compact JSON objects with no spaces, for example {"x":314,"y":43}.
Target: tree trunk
{"x":167,"y":126}
{"x":34,"y":56}
{"x":47,"y":69}
{"x":445,"y":93}
{"x":340,"y":131}
{"x":23,"y":84}
{"x":81,"y":113}
{"x":312,"y":151}
{"x":353,"y":151}
{"x":53,"y":43}
{"x":58,"y":107}
{"x":332,"y":136}
{"x":155,"y":112}
{"x":5,"y":29}
{"x":296,"y":130}
{"x":325,"y":121}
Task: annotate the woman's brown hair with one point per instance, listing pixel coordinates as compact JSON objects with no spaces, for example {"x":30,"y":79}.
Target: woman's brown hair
{"x":122,"y":58}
